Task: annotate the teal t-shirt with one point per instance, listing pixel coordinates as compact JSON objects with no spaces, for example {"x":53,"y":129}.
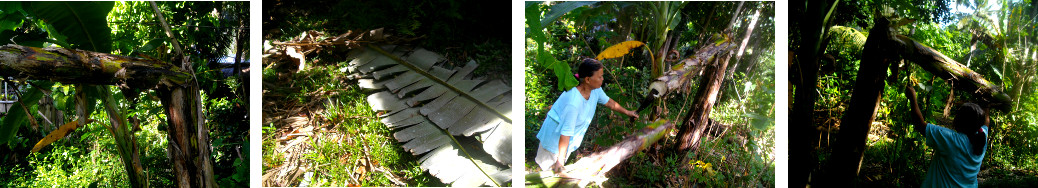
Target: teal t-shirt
{"x":570,"y":115}
{"x":953,"y":164}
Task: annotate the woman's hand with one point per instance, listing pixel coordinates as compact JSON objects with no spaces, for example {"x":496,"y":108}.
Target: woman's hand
{"x":616,"y":107}
{"x":916,"y":114}
{"x":557,"y":168}
{"x":631,"y":113}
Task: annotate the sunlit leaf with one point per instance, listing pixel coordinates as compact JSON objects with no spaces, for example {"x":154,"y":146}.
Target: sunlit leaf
{"x":57,"y":134}
{"x":561,"y":70}
{"x":619,"y":50}
{"x":151,"y":45}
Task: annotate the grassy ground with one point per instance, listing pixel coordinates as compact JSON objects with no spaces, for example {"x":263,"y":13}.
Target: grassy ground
{"x":344,"y":144}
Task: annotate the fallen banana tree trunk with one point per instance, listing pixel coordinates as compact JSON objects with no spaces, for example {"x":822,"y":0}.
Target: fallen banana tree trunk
{"x":86,"y":67}
{"x":680,"y":75}
{"x":592,"y":168}
{"x":964,"y":79}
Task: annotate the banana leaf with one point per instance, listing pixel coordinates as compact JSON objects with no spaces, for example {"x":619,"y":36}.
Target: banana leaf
{"x":16,"y":117}
{"x":458,"y":124}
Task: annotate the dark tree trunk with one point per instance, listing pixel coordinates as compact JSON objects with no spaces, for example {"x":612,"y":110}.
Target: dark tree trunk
{"x":877,"y":54}
{"x":805,"y":78}
{"x":188,"y":136}
{"x":241,"y":47}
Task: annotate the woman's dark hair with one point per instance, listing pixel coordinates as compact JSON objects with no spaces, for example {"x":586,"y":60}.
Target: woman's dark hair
{"x":588,"y":68}
{"x":968,"y":119}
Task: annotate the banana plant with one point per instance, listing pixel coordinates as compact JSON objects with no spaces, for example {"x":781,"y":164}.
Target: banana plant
{"x":665,"y":18}
{"x":535,"y":24}
{"x":459,"y":125}
{"x":80,"y":28}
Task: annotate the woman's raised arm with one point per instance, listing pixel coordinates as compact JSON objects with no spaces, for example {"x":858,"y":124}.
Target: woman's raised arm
{"x":917,"y":115}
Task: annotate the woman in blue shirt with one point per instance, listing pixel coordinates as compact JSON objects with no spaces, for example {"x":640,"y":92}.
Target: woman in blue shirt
{"x":568,"y":119}
{"x":957,"y":153}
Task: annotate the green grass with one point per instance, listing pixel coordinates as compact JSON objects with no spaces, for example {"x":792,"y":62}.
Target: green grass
{"x":354,"y":138}
{"x":371,"y":140}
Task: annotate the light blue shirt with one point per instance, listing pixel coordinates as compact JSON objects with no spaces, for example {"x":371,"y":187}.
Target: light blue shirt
{"x":953,"y":164}
{"x":570,"y":115}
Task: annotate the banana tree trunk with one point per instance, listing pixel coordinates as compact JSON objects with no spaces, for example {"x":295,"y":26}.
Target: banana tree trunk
{"x":593,"y":167}
{"x":964,"y":79}
{"x":125,"y":142}
{"x":679,"y":77}
{"x":86,"y":67}
{"x":188,"y":136}
{"x":877,"y":54}
{"x":189,"y":146}
{"x":696,"y":119}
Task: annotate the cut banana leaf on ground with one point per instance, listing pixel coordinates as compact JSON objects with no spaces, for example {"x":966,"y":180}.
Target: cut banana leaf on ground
{"x":459,"y":125}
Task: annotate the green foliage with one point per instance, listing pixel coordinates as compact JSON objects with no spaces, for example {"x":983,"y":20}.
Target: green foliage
{"x":67,"y":168}
{"x":15,"y":118}
{"x":11,"y":15}
{"x":539,"y":97}
{"x":84,"y":23}
{"x":747,"y":101}
{"x":90,"y":26}
{"x":271,"y":158}
{"x":88,"y":156}
{"x":545,"y":59}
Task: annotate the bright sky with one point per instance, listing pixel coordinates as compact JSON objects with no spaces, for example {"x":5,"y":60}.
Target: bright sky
{"x":994,"y":6}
